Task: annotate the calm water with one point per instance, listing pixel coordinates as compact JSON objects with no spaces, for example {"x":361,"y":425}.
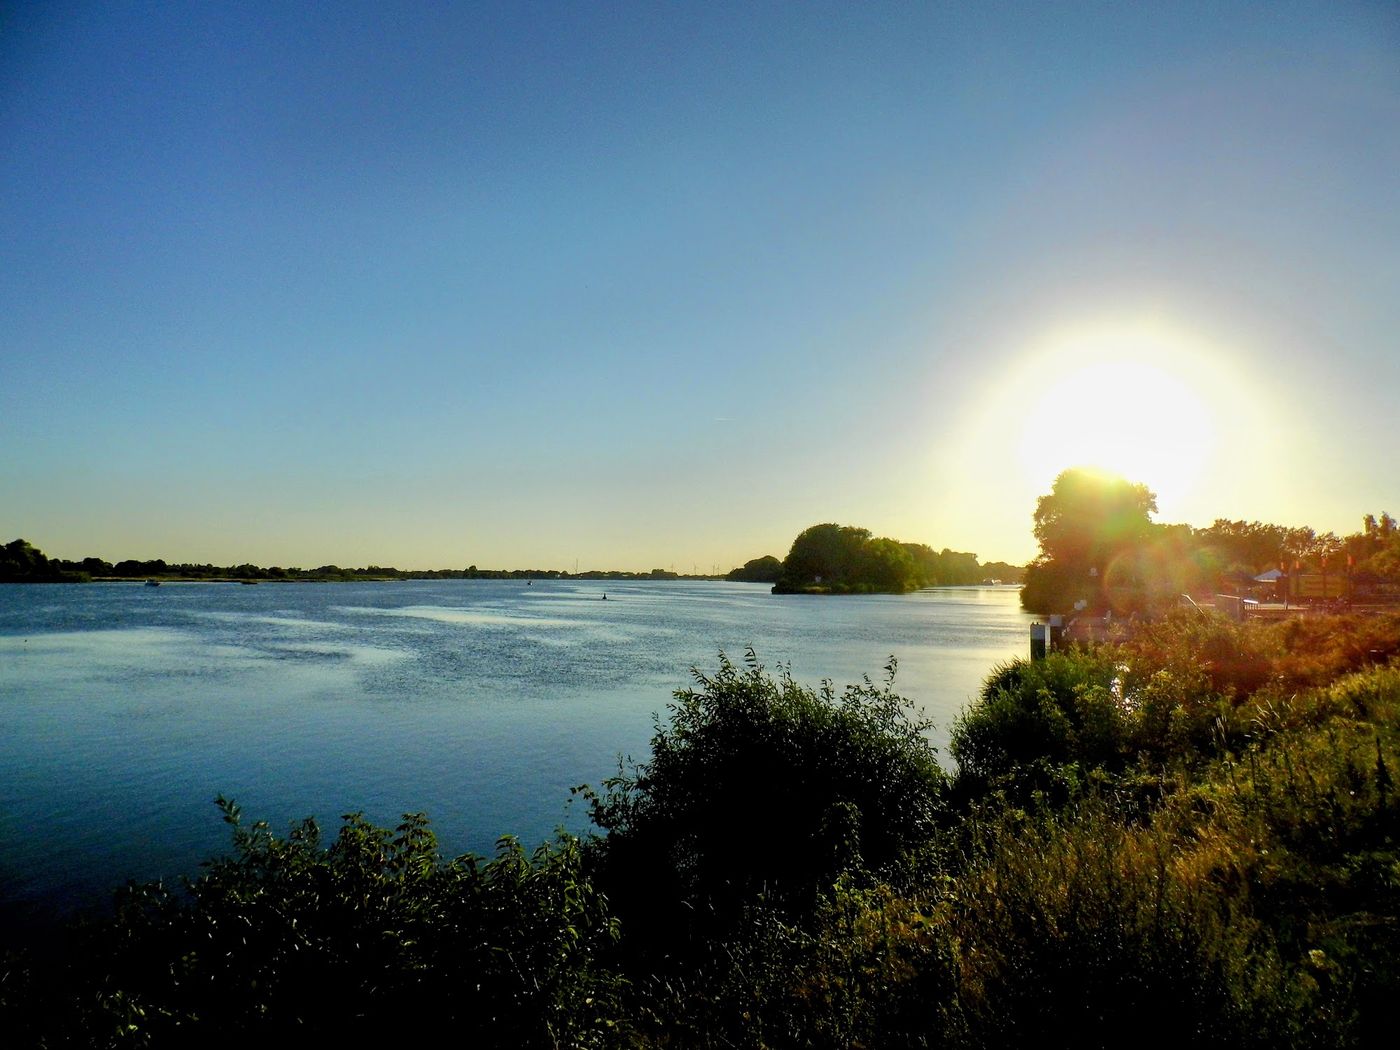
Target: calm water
{"x":125,"y":709}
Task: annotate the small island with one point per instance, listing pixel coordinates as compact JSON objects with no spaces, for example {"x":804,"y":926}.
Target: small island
{"x":847,"y":559}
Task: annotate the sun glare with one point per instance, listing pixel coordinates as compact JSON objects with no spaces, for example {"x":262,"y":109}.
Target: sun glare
{"x":1187,"y":414}
{"x":1133,"y":396}
{"x":1123,"y":416}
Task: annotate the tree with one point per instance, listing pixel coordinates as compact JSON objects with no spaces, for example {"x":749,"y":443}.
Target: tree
{"x":760,"y":786}
{"x":827,"y":552}
{"x":766,"y":569}
{"x":886,"y":565}
{"x":1085,"y":525}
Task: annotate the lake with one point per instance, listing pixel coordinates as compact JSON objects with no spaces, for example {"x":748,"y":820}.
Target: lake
{"x":126,"y":709}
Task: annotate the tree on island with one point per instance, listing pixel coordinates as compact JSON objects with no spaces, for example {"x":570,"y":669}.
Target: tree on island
{"x":766,"y":569}
{"x":847,"y":559}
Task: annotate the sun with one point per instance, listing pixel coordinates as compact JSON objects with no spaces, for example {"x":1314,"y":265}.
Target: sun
{"x":1123,"y":415}
{"x":1179,"y":409}
{"x":1129,"y":396}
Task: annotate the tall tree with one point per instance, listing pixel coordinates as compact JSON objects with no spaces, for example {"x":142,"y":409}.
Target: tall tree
{"x":1085,"y":525}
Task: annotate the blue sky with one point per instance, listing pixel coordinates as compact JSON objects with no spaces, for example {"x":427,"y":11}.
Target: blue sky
{"x":641,"y":285}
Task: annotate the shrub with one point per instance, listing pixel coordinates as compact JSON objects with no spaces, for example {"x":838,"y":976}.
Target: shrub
{"x":351,"y":941}
{"x":1036,"y":715}
{"x":763,"y":788}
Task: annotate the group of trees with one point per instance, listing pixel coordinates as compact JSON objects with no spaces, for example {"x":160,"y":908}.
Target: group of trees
{"x":1192,"y":834}
{"x":21,"y":561}
{"x":1100,"y":549}
{"x":843,"y":559}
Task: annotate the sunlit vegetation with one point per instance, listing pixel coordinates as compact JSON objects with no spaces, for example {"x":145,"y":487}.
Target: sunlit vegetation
{"x":339,"y":939}
{"x":1193,"y":834}
{"x":1100,"y":550}
{"x":847,"y":559}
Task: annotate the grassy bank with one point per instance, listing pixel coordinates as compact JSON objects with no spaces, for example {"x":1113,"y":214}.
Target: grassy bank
{"x":1193,"y":835}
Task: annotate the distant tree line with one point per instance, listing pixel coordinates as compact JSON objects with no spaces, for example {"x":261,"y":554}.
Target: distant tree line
{"x":847,"y":559}
{"x":22,"y":562}
{"x":1100,"y":549}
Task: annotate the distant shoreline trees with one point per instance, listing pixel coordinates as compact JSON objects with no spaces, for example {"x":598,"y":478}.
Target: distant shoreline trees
{"x":845,"y":558}
{"x":848,"y":559}
{"x":22,"y":562}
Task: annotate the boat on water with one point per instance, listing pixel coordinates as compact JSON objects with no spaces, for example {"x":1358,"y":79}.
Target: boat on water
{"x":152,"y":583}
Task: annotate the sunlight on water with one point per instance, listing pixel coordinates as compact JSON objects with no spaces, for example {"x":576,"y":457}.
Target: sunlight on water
{"x":468,"y":617}
{"x":126,"y":710}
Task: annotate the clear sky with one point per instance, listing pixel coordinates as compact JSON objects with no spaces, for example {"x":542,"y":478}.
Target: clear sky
{"x":641,"y":285}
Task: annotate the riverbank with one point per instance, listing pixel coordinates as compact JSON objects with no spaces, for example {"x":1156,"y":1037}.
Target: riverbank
{"x":1195,"y":832}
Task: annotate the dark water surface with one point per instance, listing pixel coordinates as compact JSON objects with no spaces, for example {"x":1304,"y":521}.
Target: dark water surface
{"x":124,"y":709}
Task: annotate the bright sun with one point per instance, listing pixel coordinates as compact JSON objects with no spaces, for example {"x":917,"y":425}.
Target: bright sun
{"x":1126,"y":417}
{"x":1135,"y":400}
{"x":1177,"y":410}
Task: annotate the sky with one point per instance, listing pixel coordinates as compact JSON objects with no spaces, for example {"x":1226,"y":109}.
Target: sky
{"x":653,"y":285}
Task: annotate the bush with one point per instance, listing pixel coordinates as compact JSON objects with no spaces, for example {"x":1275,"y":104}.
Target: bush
{"x":352,"y":941}
{"x":1034,"y":716}
{"x":760,"y":788}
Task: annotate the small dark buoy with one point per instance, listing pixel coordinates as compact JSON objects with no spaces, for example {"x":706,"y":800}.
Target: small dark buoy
{"x":605,"y":596}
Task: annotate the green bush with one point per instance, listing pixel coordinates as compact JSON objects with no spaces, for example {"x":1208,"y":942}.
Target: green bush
{"x":763,"y":788}
{"x":1035,"y":716}
{"x":360,"y":940}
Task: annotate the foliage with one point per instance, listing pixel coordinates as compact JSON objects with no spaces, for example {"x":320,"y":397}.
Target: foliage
{"x":1036,"y":716}
{"x":845,"y":559}
{"x":22,"y":562}
{"x":1099,"y":550}
{"x":826,"y":554}
{"x":1179,"y":690}
{"x":766,"y":569}
{"x":346,"y":941}
{"x":1255,"y":901}
{"x":1089,"y":518}
{"x":1077,"y":928}
{"x":1089,"y":526}
{"x":762,"y":788}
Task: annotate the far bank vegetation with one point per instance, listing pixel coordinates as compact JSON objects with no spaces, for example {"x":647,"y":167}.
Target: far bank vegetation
{"x":847,"y":559}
